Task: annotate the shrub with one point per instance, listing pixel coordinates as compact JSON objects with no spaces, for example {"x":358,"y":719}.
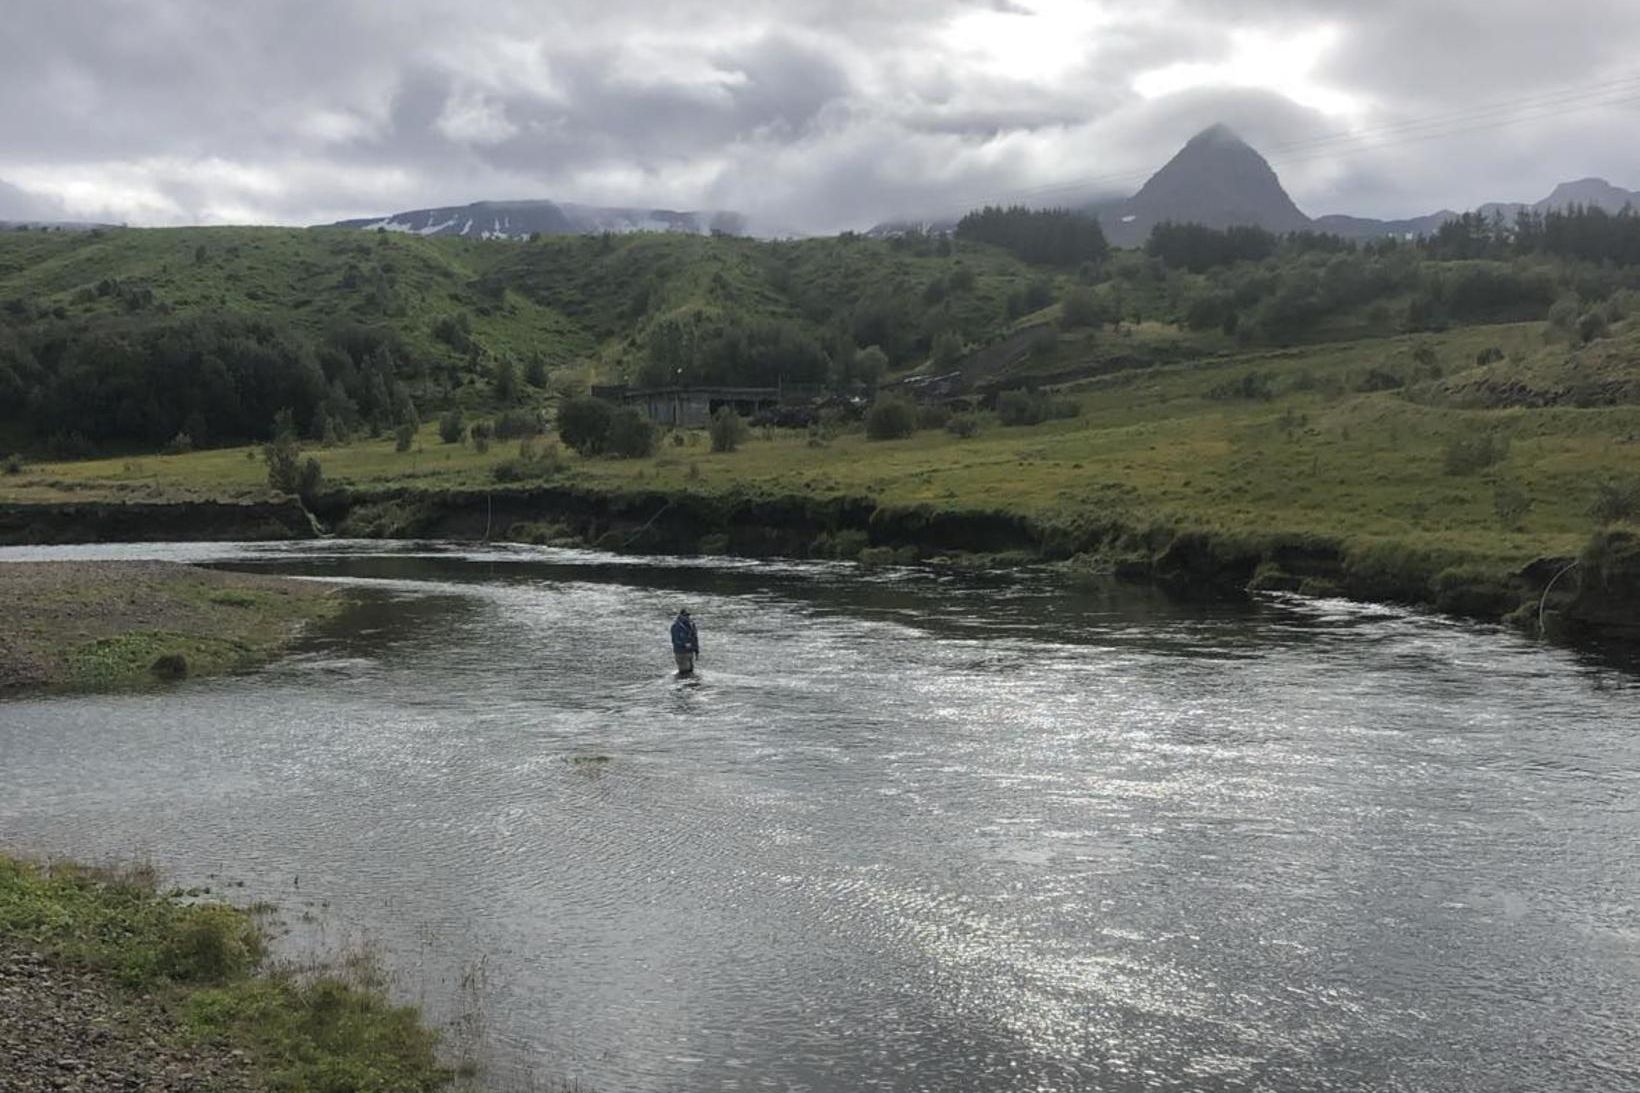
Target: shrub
{"x":1592,"y":326}
{"x":512,"y":424}
{"x":535,"y":371}
{"x":1490,"y":355}
{"x":212,"y":945}
{"x":451,"y":428}
{"x":169,"y":666}
{"x":1251,"y":385}
{"x":534,"y":460}
{"x":1616,"y":500}
{"x":947,"y":349}
{"x":890,"y":419}
{"x":583,"y":424}
{"x":962,"y":425}
{"x":1080,"y":307}
{"x":309,"y":479}
{"x":1466,"y":455}
{"x":728,"y":429}
{"x":481,"y":433}
{"x":1563,"y":313}
{"x":1033,"y":407}
{"x":13,"y":464}
{"x":1379,"y":379}
{"x":284,"y":459}
{"x":631,"y":434}
{"x":404,"y":436}
{"x":933,"y":415}
{"x":180,"y":444}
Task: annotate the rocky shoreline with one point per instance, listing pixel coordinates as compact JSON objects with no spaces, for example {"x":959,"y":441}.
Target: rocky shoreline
{"x":66,"y":1028}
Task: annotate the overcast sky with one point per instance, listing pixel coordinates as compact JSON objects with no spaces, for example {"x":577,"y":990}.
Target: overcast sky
{"x":811,"y":116}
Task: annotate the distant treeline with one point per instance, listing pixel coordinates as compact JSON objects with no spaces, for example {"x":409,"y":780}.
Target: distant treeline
{"x":155,"y":381}
{"x":1050,"y":237}
{"x":1474,"y":269}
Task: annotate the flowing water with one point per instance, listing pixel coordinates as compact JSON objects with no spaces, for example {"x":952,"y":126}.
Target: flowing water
{"x":906,"y":831}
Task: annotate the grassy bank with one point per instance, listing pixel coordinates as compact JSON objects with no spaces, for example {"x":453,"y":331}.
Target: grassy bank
{"x":149,"y":991}
{"x":1428,"y":468}
{"x":1370,"y":441}
{"x":100,"y":625}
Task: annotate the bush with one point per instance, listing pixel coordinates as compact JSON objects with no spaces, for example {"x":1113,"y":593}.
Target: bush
{"x":890,"y":419}
{"x":1592,"y":326}
{"x":13,"y":464}
{"x":1490,"y":355}
{"x":1080,"y":307}
{"x":1473,"y":454}
{"x":1033,"y":407}
{"x":728,"y":429}
{"x":212,"y":945}
{"x":1616,"y":500}
{"x":534,"y":460}
{"x":451,"y":428}
{"x":1251,"y":385}
{"x":933,"y":415}
{"x":181,"y":444}
{"x":583,"y":424}
{"x":513,"y":424}
{"x":962,"y":425}
{"x":284,"y":459}
{"x":481,"y":433}
{"x":309,"y":479}
{"x":404,"y":436}
{"x":631,"y":434}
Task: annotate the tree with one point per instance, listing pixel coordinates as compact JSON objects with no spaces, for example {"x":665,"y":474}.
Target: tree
{"x":870,"y":365}
{"x":504,"y":380}
{"x":728,"y":429}
{"x":451,"y":428}
{"x":631,"y":434}
{"x":890,"y":419}
{"x":947,"y":349}
{"x":1081,"y":307}
{"x":583,"y":424}
{"x":1056,"y":237}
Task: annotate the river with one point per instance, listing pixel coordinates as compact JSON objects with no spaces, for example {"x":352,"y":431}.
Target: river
{"x":907,"y":831}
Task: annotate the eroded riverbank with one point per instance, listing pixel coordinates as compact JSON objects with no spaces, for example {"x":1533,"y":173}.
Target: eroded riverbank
{"x":1592,"y":594}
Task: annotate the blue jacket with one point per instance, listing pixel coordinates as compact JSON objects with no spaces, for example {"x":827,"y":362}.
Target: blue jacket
{"x":685,"y":638}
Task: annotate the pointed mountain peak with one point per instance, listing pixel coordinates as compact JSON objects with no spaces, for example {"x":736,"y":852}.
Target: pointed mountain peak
{"x":1216,"y":179}
{"x":1218,"y":135}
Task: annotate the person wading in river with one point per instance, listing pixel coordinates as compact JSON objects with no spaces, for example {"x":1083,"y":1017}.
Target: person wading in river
{"x":685,"y":642}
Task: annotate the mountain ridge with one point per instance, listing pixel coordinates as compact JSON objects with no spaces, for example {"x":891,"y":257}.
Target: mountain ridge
{"x":539,"y":216}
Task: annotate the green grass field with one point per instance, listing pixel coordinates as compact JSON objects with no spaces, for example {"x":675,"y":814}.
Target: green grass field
{"x":1293,"y":441}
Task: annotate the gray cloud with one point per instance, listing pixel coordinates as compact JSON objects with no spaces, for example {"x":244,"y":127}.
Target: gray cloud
{"x":802,"y":113}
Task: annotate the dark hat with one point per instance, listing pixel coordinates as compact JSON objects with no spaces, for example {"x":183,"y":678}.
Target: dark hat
{"x":683,"y":611}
